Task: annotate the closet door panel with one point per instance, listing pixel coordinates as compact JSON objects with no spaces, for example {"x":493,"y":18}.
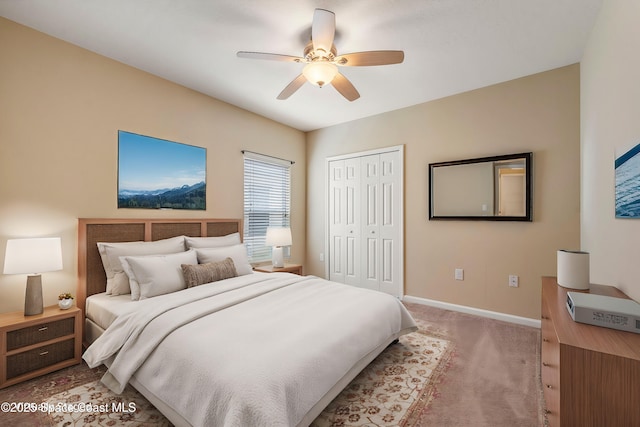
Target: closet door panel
{"x":387,"y":261}
{"x":370,"y":279}
{"x":389,"y":229}
{"x":337,"y":214}
{"x":351,"y":265}
{"x":337,"y":271}
{"x":371,"y":208}
{"x":352,"y":221}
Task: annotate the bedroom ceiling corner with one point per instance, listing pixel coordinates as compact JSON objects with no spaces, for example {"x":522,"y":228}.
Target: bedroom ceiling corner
{"x":449,"y":46}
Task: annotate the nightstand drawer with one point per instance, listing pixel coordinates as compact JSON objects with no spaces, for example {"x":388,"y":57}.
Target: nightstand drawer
{"x":39,"y":333}
{"x":40,"y":357}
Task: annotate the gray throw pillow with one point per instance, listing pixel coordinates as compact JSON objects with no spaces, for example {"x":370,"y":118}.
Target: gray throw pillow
{"x":199,"y":274}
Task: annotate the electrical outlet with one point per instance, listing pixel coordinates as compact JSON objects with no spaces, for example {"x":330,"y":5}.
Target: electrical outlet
{"x":513,"y":281}
{"x":459,"y":274}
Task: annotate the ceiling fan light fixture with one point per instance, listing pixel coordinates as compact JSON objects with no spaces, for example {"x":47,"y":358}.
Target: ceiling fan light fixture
{"x":322,"y":59}
{"x":320,"y":73}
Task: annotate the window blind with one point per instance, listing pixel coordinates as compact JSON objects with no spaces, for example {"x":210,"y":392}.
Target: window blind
{"x":267,"y":196}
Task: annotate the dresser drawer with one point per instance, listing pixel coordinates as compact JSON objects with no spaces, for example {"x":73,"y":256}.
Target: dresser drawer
{"x":39,"y":333}
{"x":551,"y":392}
{"x":550,"y":367}
{"x":41,"y":357}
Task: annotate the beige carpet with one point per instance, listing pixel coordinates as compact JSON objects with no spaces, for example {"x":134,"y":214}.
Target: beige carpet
{"x":494,"y":374}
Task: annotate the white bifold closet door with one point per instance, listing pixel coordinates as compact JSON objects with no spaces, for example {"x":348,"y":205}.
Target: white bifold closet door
{"x":365,"y":221}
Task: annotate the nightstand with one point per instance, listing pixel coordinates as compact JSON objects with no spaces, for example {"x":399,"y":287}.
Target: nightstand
{"x":288,"y":268}
{"x":31,"y":346}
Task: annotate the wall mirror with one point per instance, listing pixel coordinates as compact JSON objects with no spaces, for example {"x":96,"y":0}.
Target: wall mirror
{"x":494,"y":188}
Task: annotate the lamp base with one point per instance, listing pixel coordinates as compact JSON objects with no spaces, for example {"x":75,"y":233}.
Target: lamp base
{"x":277,"y":256}
{"x":33,"y":296}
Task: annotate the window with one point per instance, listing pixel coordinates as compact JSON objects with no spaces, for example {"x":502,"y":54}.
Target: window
{"x":267,"y":193}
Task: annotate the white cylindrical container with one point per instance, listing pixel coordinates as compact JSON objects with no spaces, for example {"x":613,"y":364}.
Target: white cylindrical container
{"x":573,"y":269}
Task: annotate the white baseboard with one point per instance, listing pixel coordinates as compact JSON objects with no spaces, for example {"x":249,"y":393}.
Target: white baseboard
{"x":475,"y":311}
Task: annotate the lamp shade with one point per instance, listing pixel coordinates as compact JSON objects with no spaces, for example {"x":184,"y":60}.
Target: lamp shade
{"x":320,"y":73}
{"x":278,"y":236}
{"x":31,"y":256}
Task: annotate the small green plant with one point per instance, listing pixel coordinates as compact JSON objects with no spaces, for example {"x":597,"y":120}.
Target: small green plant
{"x":65,"y":295}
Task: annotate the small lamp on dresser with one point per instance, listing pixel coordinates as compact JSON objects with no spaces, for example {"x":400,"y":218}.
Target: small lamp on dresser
{"x":278,"y":237}
{"x":33,"y":256}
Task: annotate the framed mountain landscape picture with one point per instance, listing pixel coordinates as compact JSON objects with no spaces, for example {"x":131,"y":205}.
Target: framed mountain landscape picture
{"x":628,"y":182}
{"x":159,"y":174}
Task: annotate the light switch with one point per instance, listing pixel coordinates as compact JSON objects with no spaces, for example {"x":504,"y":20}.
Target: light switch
{"x":459,"y":274}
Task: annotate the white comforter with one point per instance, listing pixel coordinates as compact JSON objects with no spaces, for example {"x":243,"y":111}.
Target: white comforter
{"x":255,"y":350}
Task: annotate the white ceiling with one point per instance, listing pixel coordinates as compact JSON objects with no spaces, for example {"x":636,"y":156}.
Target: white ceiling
{"x":450,"y":46}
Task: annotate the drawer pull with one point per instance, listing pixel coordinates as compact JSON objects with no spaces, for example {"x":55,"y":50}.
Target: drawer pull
{"x":44,"y":353}
{"x":549,"y":386}
{"x":546,"y":411}
{"x":545,"y":364}
{"x":44,"y":328}
{"x":545,"y":340}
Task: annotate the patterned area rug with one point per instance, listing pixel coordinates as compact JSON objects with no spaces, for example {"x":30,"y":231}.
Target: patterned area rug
{"x":94,"y":405}
{"x":40,"y":389}
{"x":393,"y":390}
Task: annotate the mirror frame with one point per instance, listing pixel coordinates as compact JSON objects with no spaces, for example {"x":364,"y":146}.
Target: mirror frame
{"x":528,"y":160}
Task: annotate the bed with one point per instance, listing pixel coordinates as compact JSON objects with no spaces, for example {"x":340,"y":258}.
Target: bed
{"x":249,"y":349}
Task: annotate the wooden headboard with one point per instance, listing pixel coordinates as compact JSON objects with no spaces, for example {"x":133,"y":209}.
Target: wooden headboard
{"x":91,"y":276}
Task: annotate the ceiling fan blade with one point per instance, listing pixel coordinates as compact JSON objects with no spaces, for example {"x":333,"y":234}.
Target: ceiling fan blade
{"x":269,"y":56}
{"x":345,"y":87}
{"x":323,"y":29}
{"x":292,"y":87}
{"x":374,"y":57}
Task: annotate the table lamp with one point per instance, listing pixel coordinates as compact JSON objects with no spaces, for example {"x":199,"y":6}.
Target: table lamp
{"x":33,"y":256}
{"x":278,"y":237}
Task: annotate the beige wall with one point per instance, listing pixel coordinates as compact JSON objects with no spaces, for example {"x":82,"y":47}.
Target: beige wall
{"x":610,"y":119}
{"x":539,"y":113}
{"x":60,"y":110}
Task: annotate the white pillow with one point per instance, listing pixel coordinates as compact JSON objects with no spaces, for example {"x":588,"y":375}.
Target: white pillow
{"x":213,"y":242}
{"x":238,"y":253}
{"x":157,"y":274}
{"x":134,"y":286}
{"x":117,"y":280}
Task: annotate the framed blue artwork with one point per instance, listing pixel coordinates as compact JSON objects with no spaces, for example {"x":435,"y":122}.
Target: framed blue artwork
{"x":628,"y":183}
{"x":159,"y":174}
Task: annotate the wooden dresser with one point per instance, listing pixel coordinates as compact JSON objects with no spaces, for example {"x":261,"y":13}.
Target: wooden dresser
{"x":590,"y":374}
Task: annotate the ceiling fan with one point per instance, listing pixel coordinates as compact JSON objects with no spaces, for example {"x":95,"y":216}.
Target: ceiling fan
{"x":322,"y":59}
